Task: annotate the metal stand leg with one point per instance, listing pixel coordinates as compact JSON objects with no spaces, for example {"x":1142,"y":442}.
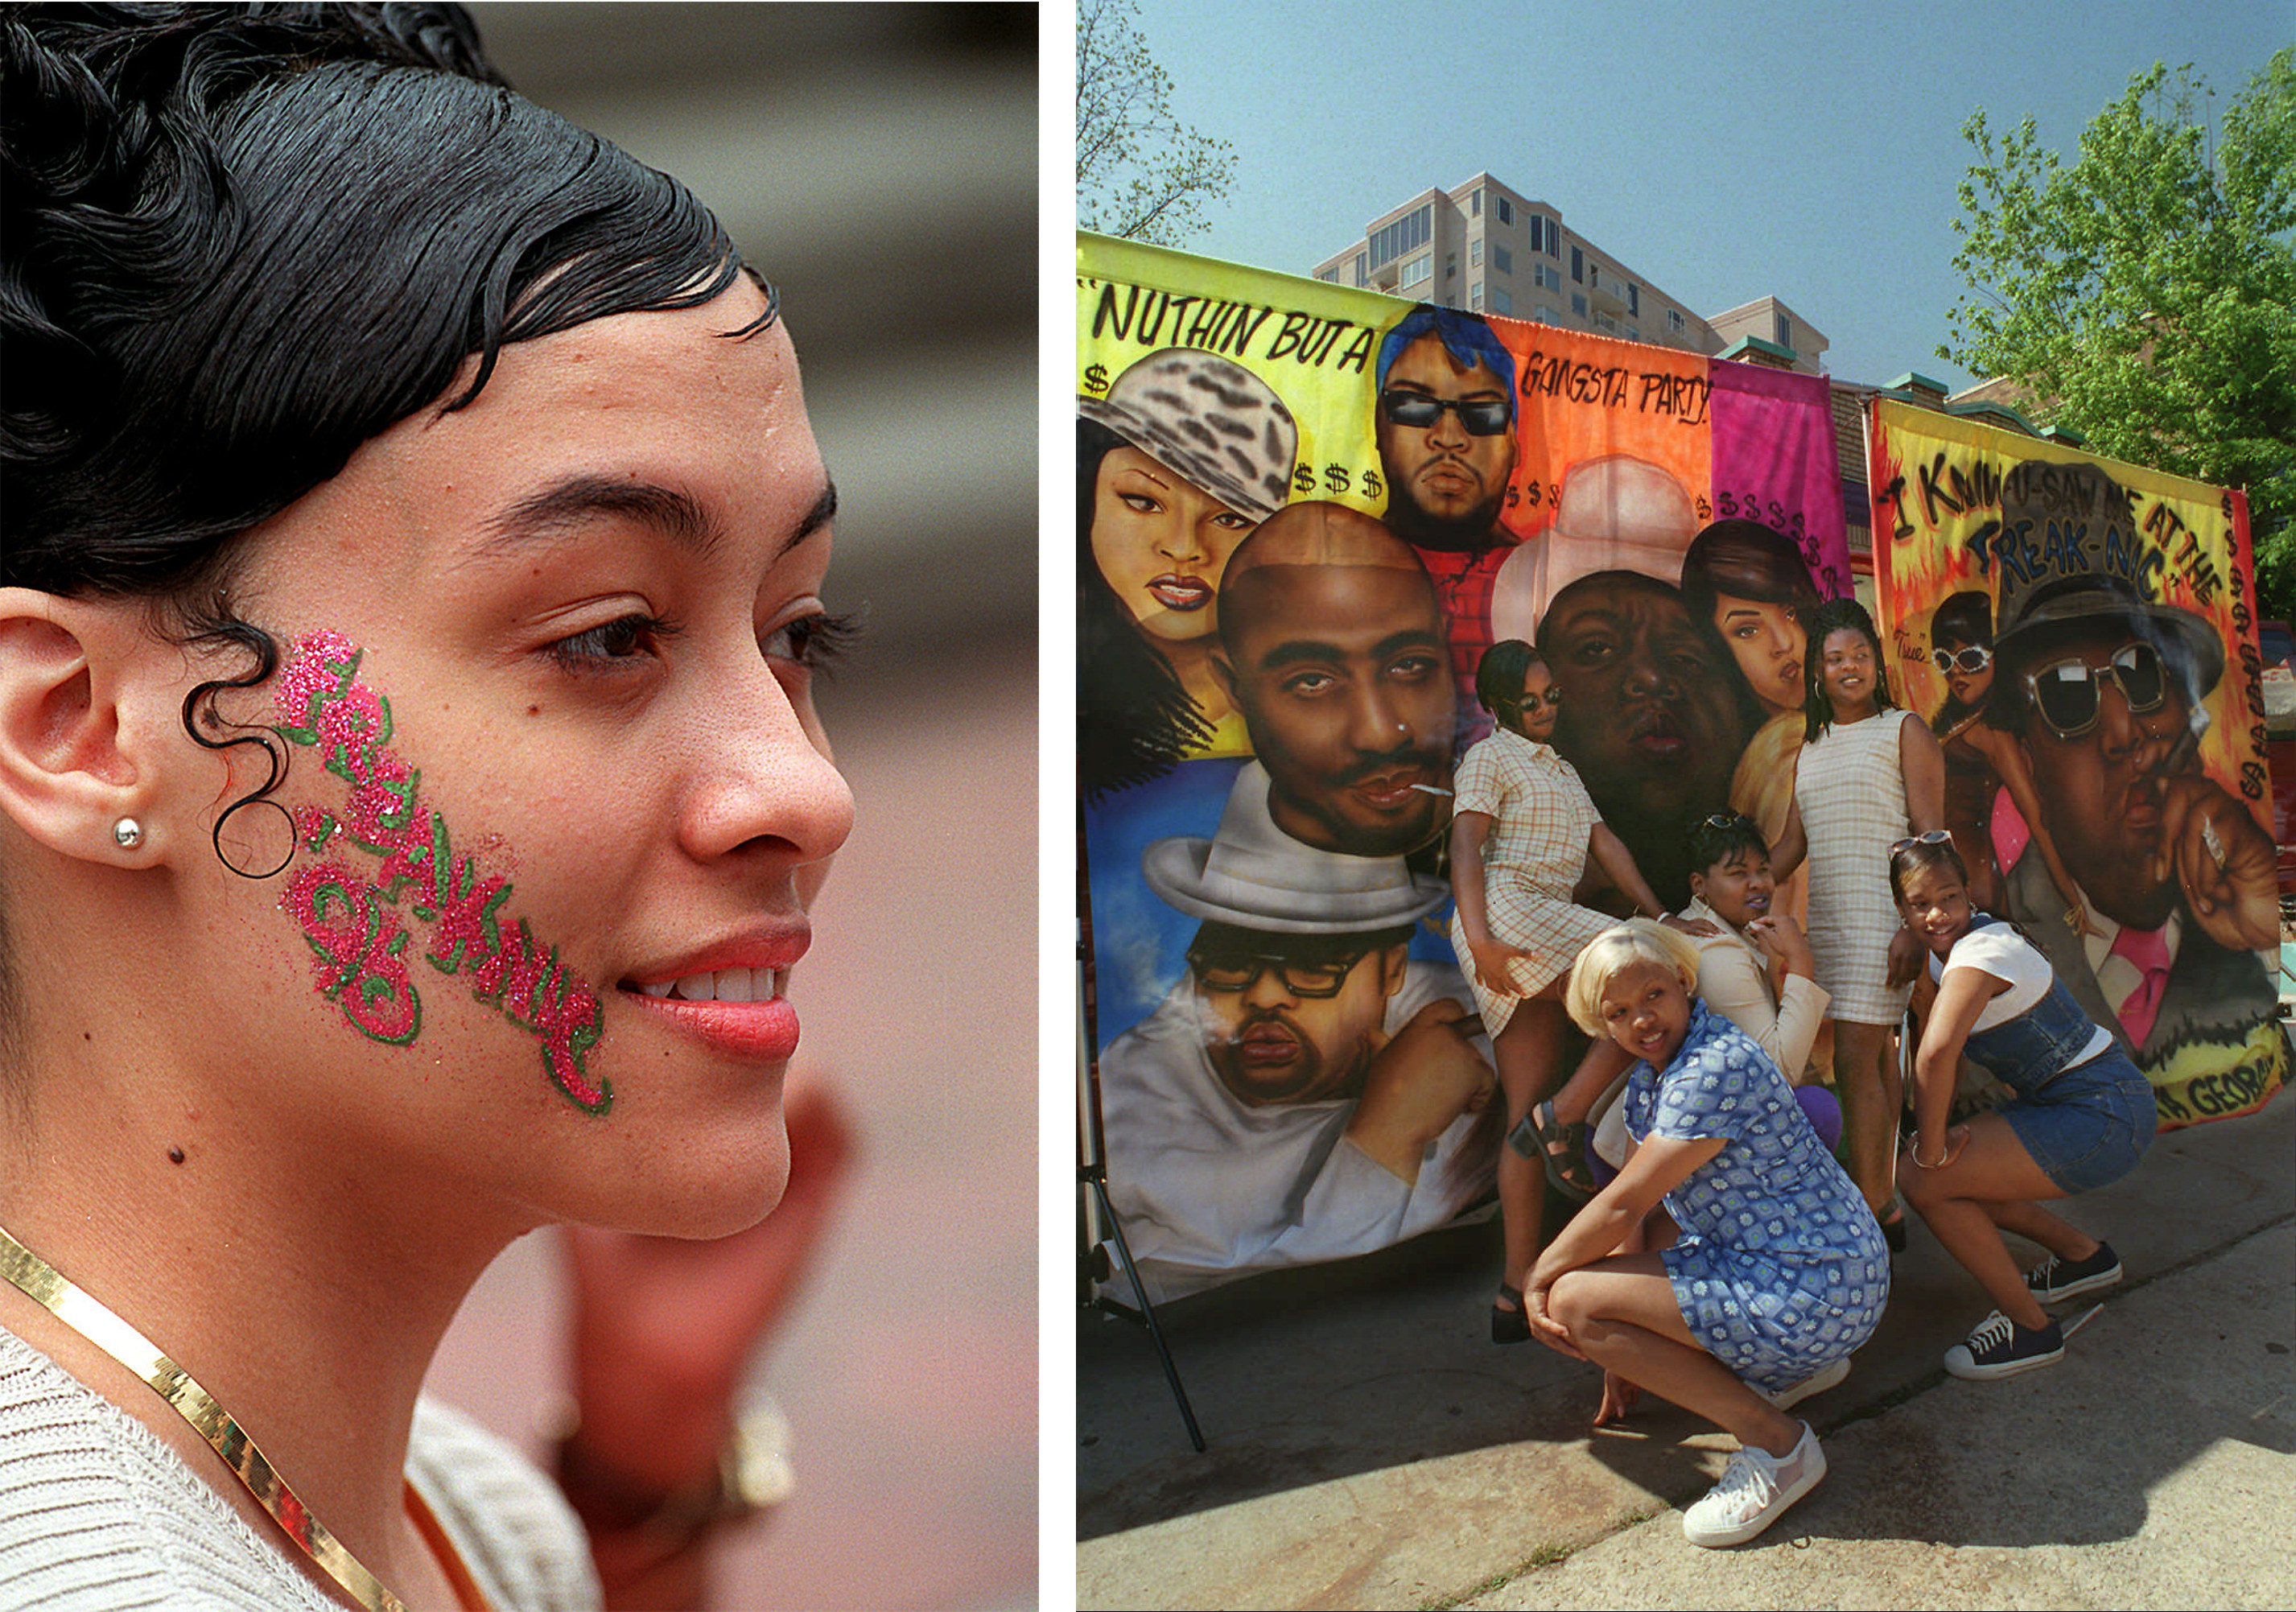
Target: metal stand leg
{"x":1145,"y":1316}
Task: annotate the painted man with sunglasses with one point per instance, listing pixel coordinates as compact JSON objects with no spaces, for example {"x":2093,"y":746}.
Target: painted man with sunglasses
{"x":2103,"y":690}
{"x":1305,"y":1092}
{"x":1444,"y":415}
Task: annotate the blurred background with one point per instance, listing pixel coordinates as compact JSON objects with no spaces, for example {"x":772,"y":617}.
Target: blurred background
{"x":877,"y":162}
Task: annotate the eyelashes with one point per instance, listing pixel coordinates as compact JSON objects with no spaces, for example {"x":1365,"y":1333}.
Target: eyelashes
{"x":604,"y":648}
{"x":818,"y":641}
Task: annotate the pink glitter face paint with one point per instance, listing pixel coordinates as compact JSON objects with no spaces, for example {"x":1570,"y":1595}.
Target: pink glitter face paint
{"x":353,"y":926}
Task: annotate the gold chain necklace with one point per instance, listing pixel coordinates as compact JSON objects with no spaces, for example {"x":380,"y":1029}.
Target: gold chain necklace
{"x":87,"y":1315}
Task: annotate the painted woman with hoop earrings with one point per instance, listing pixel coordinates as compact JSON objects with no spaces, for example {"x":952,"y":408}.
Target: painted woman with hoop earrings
{"x":1867,"y":772}
{"x":1979,"y":755}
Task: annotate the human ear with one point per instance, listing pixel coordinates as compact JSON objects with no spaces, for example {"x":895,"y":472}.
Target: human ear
{"x":1391,"y":969}
{"x":83,"y":693}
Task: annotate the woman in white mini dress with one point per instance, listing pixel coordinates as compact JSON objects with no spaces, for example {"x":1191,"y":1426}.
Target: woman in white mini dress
{"x":1868,"y":775}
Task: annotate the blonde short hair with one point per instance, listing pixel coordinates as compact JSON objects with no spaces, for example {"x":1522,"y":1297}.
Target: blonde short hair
{"x":1614,"y":951}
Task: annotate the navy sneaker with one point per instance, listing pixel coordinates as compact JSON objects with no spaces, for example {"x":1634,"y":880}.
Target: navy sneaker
{"x":2000,"y":1348}
{"x":2054,"y":1279}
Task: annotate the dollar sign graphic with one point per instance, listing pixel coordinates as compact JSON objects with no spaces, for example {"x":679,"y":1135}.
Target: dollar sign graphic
{"x":1372,"y":486}
{"x":1095,"y":378}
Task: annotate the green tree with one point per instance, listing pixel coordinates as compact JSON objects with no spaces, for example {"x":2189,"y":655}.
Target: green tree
{"x":1140,"y":172}
{"x":2144,"y":293}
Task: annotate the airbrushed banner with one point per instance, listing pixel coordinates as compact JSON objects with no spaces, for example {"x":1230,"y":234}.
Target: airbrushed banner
{"x":2081,"y":632}
{"x":1303,"y":513}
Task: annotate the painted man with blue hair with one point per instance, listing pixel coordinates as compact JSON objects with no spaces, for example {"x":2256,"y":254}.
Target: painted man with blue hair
{"x":1444,"y":419}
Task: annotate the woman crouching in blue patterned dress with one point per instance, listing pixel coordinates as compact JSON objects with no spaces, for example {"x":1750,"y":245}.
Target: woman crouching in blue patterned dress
{"x":1749,"y":1290}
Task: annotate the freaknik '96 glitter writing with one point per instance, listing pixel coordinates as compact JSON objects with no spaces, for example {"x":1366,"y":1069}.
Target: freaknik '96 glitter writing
{"x":356,"y":926}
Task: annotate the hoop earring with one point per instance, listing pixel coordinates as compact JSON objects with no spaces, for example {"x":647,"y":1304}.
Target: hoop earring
{"x":128,"y":833}
{"x":233,"y":808}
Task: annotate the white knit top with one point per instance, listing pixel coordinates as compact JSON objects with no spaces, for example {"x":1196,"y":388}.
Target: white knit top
{"x":96,"y":1513}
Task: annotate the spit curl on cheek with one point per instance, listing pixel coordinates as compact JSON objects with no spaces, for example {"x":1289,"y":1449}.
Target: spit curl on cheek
{"x":355,"y":918}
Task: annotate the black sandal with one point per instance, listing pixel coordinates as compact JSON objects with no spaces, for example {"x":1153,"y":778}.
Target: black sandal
{"x":1562,"y":1147}
{"x":1893,"y":1230}
{"x":1510,"y":1326}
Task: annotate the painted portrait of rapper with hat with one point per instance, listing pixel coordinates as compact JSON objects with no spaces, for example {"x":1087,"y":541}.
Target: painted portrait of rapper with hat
{"x":1184,"y":456}
{"x":1306,"y":1090}
{"x":2106,"y":690}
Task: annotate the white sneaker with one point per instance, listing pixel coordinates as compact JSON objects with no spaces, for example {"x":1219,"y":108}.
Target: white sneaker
{"x":1755,"y":1491}
{"x":1817,"y":1382}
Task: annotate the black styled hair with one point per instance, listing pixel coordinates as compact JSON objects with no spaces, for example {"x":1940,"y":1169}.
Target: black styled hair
{"x":1135,"y":719}
{"x":1499,"y":674}
{"x":1829,"y":617}
{"x":1711,"y":841}
{"x":1745,"y":560}
{"x":1963,"y":617}
{"x":238,"y":241}
{"x":1911,"y":857}
{"x":241,"y":240}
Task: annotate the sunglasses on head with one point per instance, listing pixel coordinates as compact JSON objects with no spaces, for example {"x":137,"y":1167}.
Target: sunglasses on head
{"x":1971,"y":660}
{"x":1478,"y":416}
{"x":2070,"y":694}
{"x":1928,"y":836}
{"x":1729,"y":820}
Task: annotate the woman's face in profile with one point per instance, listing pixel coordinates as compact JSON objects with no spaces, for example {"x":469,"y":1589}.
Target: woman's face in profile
{"x":560,"y":797}
{"x":1163,"y":544}
{"x":1767,"y":641}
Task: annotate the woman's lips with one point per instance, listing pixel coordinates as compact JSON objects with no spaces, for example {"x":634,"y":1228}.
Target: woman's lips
{"x":765,"y":1030}
{"x":1181,"y":593}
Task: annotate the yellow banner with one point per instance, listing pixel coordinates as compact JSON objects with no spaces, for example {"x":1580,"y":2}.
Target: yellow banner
{"x":2081,"y":634}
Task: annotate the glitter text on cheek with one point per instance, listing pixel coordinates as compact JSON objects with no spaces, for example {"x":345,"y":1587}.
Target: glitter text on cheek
{"x":354,"y":925}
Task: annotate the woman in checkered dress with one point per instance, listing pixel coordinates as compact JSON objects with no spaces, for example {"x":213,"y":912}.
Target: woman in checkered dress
{"x":1522,"y":830}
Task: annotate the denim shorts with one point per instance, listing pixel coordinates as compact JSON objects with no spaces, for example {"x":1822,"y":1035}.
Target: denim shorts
{"x":2088,"y":1126}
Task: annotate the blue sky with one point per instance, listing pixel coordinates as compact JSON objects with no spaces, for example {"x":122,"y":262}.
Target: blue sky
{"x":1809,"y":151}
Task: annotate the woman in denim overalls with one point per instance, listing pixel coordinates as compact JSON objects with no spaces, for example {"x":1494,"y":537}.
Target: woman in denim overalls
{"x":2081,"y":1117}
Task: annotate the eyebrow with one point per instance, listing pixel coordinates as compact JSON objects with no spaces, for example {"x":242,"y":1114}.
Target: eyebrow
{"x":1150,"y":470}
{"x":1397,"y":383}
{"x":1311,"y":648}
{"x":565,"y":505}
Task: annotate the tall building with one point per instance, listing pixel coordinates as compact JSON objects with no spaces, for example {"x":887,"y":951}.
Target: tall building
{"x":1490,"y":249}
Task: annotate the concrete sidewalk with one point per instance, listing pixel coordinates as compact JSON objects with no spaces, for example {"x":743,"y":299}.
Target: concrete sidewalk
{"x":1369,"y":1447}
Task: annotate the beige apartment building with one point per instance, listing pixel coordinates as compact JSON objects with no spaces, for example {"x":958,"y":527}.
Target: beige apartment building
{"x":1490,"y":249}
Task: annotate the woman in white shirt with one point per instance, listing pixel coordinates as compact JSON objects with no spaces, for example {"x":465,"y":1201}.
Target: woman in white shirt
{"x":1754,"y":968}
{"x":2082,"y":1116}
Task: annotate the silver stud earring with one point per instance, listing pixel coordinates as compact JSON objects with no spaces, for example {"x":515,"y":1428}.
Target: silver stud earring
{"x":128,"y":833}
